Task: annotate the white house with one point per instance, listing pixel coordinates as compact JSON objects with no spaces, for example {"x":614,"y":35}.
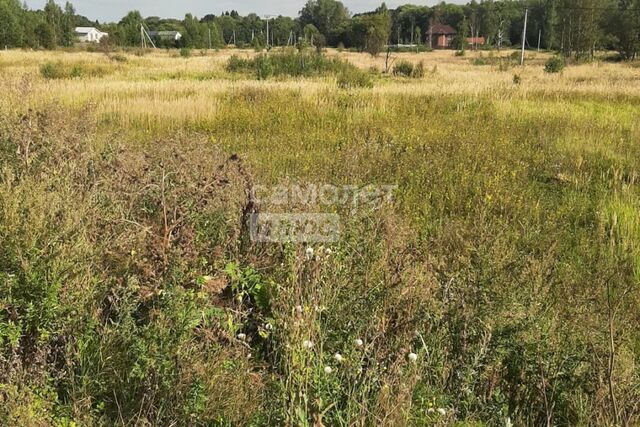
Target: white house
{"x":89,"y":34}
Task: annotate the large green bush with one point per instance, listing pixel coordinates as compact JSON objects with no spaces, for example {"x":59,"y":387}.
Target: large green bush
{"x":554,"y":65}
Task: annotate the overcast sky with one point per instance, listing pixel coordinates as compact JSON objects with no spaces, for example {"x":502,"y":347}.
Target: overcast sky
{"x":113,"y":10}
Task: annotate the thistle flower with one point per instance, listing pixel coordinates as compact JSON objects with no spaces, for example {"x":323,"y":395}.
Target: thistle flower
{"x":358,"y":342}
{"x":338,"y":357}
{"x":328,"y":370}
{"x":412,"y":357}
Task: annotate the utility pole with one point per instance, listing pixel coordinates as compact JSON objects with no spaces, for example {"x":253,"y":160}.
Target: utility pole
{"x":524,"y":35}
{"x":539,"y":37}
{"x":268,"y":17}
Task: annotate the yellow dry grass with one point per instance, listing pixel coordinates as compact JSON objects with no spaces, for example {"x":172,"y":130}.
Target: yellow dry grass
{"x":162,"y":89}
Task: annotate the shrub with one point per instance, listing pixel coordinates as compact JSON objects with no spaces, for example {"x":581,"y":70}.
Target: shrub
{"x":263,"y":67}
{"x":517,"y":79}
{"x":418,"y":70}
{"x":236,"y":64}
{"x":77,"y":71}
{"x":289,"y":63}
{"x":354,"y":78}
{"x":53,"y":70}
{"x":403,"y":68}
{"x":185,"y":52}
{"x":407,"y":69}
{"x":554,"y":65}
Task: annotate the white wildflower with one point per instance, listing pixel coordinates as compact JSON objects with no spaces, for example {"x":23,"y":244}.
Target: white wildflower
{"x":413,"y":357}
{"x":358,"y":342}
{"x":338,"y":357}
{"x":307,"y":344}
{"x":328,"y":370}
{"x":242,"y":337}
{"x":309,"y":253}
{"x":299,"y":309}
{"x":442,"y":411}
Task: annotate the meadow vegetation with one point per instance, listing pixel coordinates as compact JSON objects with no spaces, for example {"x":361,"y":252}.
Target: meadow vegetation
{"x":499,"y":287}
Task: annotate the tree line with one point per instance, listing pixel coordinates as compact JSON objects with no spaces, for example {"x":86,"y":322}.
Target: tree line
{"x":574,"y":27}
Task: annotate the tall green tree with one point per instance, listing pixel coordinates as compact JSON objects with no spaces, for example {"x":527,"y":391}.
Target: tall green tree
{"x":67,"y":25}
{"x":54,"y":18}
{"x":195,"y":33}
{"x":624,"y":26}
{"x":45,"y":35}
{"x":130,"y":28}
{"x":11,"y":30}
{"x":370,"y":33}
{"x":330,"y":17}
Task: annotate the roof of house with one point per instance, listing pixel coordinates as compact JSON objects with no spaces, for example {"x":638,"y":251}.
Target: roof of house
{"x":439,"y":29}
{"x":86,"y":30}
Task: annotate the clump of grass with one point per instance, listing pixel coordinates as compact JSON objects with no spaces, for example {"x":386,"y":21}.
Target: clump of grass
{"x":185,"y":52}
{"x":53,"y":70}
{"x":58,"y":70}
{"x":403,"y":68}
{"x":408,"y":69}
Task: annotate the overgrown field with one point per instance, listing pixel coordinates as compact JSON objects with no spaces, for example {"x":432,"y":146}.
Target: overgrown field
{"x":500,"y":286}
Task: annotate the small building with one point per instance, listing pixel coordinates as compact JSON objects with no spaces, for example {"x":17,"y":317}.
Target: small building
{"x":89,"y":34}
{"x":442,"y":36}
{"x":165,"y":36}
